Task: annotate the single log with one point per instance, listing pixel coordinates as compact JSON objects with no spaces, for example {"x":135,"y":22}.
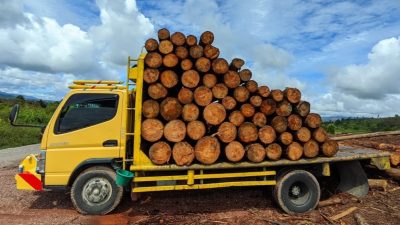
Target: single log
{"x":157,"y":91}
{"x":169,"y":78}
{"x":241,"y":94}
{"x":367,"y":135}
{"x":160,"y":152}
{"x":202,"y":96}
{"x":196,"y":51}
{"x":344,"y":213}
{"x":185,"y":96}
{"x":284,"y":108}
{"x":303,"y":108}
{"x":150,"y":75}
{"x":207,"y":150}
{"x":274,"y":151}
{"x":227,"y":132}
{"x":232,"y":79}
{"x":175,"y":131}
{"x":220,"y":66}
{"x":295,"y":122}
{"x":191,"y":40}
{"x":313,"y":120}
{"x":247,"y":110}
{"x":259,"y":119}
{"x":207,"y":38}
{"x":267,"y":134}
{"x":183,"y":153}
{"x":228,"y":102}
{"x":181,"y":52}
{"x":178,"y":38}
{"x":163,"y":34}
{"x":378,"y":184}
{"x":153,"y":60}
{"x":311,"y":149}
{"x":395,"y":159}
{"x":203,"y":64}
{"x":279,"y":123}
{"x":170,"y":109}
{"x":286,"y":138}
{"x":268,"y":107}
{"x":255,"y":152}
{"x":190,"y":78}
{"x":196,"y":129}
{"x":214,"y":113}
{"x":166,"y":47}
{"x":252,"y":86}
{"x":186,"y":64}
{"x":220,"y":91}
{"x":247,"y":132}
{"x":320,"y":134}
{"x":277,"y":95}
{"x":170,"y":60}
{"x":234,"y":151}
{"x":245,"y":75}
{"x":209,"y":80}
{"x":294,"y":151}
{"x":152,"y":130}
{"x":211,"y":52}
{"x":151,"y":109}
{"x":264,"y":91}
{"x":256,"y":100}
{"x":393,"y":173}
{"x":236,"y":117}
{"x":190,"y":112}
{"x":330,"y":148}
{"x":293,"y":95}
{"x":236,"y":64}
{"x":151,"y":45}
{"x":303,"y":134}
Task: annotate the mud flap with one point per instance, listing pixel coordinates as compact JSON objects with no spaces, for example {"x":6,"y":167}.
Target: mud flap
{"x":353,"y":179}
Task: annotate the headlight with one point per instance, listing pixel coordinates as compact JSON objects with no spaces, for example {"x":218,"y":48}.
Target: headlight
{"x":41,"y":162}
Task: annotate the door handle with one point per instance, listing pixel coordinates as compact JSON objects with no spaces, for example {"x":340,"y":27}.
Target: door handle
{"x":110,"y":143}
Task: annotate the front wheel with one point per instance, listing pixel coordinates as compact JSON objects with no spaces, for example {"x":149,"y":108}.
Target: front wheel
{"x":95,"y":192}
{"x":297,"y":192}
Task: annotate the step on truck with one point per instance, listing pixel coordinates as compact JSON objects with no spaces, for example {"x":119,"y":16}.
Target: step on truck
{"x":96,"y":132}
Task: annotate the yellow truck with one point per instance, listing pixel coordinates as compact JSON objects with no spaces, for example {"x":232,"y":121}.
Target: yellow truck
{"x":93,"y":139}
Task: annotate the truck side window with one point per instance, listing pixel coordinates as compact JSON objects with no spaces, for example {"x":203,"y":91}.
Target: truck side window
{"x":84,"y":110}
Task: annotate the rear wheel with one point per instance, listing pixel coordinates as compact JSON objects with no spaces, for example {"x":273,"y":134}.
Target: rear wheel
{"x":95,"y":192}
{"x":297,"y":192}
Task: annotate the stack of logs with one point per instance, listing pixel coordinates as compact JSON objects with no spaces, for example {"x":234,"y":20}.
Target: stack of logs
{"x":196,"y":105}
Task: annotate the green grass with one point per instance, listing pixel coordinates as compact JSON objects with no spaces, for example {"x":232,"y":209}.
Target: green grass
{"x":30,"y":113}
{"x":363,"y":125}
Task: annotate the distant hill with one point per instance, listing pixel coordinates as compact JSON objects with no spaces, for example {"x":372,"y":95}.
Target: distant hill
{"x":362,"y":125}
{"x":4,"y":95}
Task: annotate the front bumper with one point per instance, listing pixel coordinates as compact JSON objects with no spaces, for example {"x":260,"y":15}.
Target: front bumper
{"x":27,"y":178}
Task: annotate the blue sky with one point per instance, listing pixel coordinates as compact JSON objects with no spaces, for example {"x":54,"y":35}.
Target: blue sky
{"x":342,"y":54}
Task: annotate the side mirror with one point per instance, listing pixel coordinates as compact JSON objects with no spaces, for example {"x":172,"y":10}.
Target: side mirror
{"x":13,"y":114}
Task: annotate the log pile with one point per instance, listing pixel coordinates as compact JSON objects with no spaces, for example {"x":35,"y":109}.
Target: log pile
{"x":198,"y":106}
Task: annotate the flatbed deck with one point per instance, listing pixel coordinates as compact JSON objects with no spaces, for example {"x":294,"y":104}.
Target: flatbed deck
{"x":344,"y":154}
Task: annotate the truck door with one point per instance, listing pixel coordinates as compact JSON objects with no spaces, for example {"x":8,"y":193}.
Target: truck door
{"x":87,"y":127}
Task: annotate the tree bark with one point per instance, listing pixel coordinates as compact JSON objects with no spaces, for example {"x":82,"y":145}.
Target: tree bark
{"x":152,"y":130}
{"x":207,"y":150}
{"x":227,"y":132}
{"x":313,"y":120}
{"x":247,"y":132}
{"x":178,"y":38}
{"x":264,"y":91}
{"x":166,"y":47}
{"x":294,"y":151}
{"x":214,"y":113}
{"x":274,"y":151}
{"x":293,"y":95}
{"x":279,"y":123}
{"x":151,"y":45}
{"x":196,"y":51}
{"x":229,"y":102}
{"x":320,"y":135}
{"x":236,"y":64}
{"x":234,"y":151}
{"x":255,"y":152}
{"x":160,"y":153}
{"x":209,"y":80}
{"x":220,"y":66}
{"x":236,"y":117}
{"x":311,"y":149}
{"x":183,"y":153}
{"x":259,"y":119}
{"x":196,"y":130}
{"x":170,"y":109}
{"x":190,"y":112}
{"x":163,"y":34}
{"x":203,"y":64}
{"x":151,"y":109}
{"x":169,"y":78}
{"x":185,"y":96}
{"x":286,"y":138}
{"x":190,"y":78}
{"x":211,"y":52}
{"x":277,"y":95}
{"x":207,"y":38}
{"x":284,"y":108}
{"x":330,"y":148}
{"x":252,"y":86}
{"x":150,"y":75}
{"x":303,"y":134}
{"x":175,"y":131}
{"x":241,"y":94}
{"x":181,"y":52}
{"x":245,"y":75}
{"x":153,"y":60}
{"x":232,"y":79}
{"x":268,"y":107}
{"x":267,"y":134}
{"x":219,"y":91}
{"x":202,"y":96}
{"x":247,"y":110}
{"x":295,"y":122}
{"x":157,"y":91}
{"x":303,"y":108}
{"x":186,"y":64}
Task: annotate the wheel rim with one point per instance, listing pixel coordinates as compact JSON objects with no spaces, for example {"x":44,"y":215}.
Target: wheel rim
{"x":97,"y":191}
{"x":299,"y":193}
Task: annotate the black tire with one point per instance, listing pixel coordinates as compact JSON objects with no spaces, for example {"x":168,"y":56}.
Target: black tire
{"x":102,"y":193}
{"x":297,"y":191}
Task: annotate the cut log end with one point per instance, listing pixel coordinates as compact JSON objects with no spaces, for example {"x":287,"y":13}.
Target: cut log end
{"x":214,"y":113}
{"x":248,"y":132}
{"x":151,"y":45}
{"x":259,"y":119}
{"x":293,"y":95}
{"x":163,"y":34}
{"x":313,"y":120}
{"x":277,"y":95}
{"x":311,"y":149}
{"x":229,"y":102}
{"x":175,"y":131}
{"x":274,"y":151}
{"x":183,"y":153}
{"x":152,"y":130}
{"x":234,"y":151}
{"x":196,"y":130}
{"x":267,"y":134}
{"x":170,"y":109}
{"x":294,"y":151}
{"x":151,"y":109}
{"x":227,"y":132}
{"x":190,"y":112}
{"x":202,"y":96}
{"x":220,"y":66}
{"x":330,"y":148}
{"x":207,"y":38}
{"x":207,"y":150}
{"x":255,"y":152}
{"x":236,"y":117}
{"x":160,"y":153}
{"x":209,"y":80}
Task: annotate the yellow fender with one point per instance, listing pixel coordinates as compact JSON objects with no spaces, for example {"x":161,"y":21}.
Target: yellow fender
{"x":28,"y":179}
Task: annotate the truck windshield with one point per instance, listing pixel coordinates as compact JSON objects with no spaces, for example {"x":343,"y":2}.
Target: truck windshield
{"x":84,"y":110}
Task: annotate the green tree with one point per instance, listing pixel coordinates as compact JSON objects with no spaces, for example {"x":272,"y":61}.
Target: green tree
{"x":20,"y":98}
{"x":331,"y":128}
